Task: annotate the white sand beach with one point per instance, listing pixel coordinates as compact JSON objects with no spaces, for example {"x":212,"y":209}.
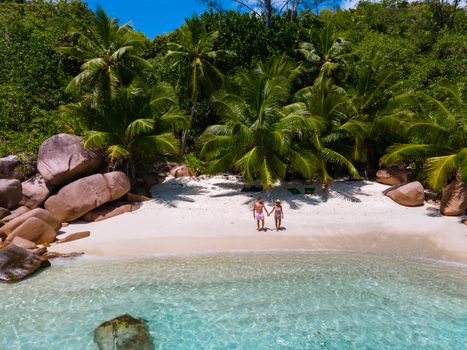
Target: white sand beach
{"x":211,"y":214}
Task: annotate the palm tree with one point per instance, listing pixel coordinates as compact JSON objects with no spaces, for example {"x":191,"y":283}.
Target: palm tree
{"x":257,"y":134}
{"x":194,"y":52}
{"x":139,"y":126}
{"x":437,"y":135}
{"x":325,"y":48}
{"x":331,"y":109}
{"x":111,"y":57}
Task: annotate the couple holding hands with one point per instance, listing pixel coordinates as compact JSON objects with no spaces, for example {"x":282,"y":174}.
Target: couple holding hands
{"x":258,"y":213}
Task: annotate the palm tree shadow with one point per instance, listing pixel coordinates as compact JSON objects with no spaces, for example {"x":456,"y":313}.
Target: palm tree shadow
{"x":347,"y":190}
{"x":172,"y":191}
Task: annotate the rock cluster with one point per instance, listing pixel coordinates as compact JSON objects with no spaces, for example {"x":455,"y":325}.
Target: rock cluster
{"x":67,"y":186}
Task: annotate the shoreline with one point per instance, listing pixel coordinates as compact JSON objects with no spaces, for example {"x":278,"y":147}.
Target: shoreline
{"x":210,"y":214}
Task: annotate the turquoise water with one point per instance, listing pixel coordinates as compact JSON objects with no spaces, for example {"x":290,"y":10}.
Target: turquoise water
{"x":244,"y":301}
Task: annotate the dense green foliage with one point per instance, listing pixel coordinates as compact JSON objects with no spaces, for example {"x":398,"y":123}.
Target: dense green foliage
{"x":33,"y":76}
{"x":342,"y":92}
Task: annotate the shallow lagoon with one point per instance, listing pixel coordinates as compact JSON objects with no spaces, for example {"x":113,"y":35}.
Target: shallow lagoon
{"x":244,"y":301}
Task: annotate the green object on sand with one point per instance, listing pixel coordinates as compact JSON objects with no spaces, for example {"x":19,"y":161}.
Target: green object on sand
{"x":294,"y":191}
{"x":309,"y":190}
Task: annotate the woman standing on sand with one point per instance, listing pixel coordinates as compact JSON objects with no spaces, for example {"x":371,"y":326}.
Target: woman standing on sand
{"x":278,"y":213}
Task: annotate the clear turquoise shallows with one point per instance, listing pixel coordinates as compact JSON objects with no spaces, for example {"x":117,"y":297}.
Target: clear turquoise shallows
{"x":244,"y":301}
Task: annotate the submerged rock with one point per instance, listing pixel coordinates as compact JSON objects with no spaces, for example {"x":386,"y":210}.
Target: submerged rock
{"x":17,"y":263}
{"x":123,"y":333}
{"x":62,"y":158}
{"x":10,"y":193}
{"x":454,"y":199}
{"x":409,"y":195}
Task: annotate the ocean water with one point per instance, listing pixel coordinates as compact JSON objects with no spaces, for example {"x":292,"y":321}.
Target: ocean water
{"x":244,"y":301}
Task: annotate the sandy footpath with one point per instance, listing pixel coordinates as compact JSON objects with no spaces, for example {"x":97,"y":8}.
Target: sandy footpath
{"x":209,"y":214}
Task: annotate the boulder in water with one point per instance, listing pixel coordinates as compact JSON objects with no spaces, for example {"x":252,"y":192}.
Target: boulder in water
{"x":124,"y":333}
{"x":17,"y":263}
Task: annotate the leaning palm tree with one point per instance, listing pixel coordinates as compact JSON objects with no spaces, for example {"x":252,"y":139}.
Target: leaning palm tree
{"x":139,"y":126}
{"x":193,"y":51}
{"x":256,"y":137}
{"x":110,"y":57}
{"x":437,"y":135}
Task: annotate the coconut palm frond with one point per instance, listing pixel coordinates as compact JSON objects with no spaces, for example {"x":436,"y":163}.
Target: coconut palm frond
{"x":440,"y":170}
{"x":222,"y":163}
{"x":403,"y":152}
{"x":250,"y":163}
{"x":160,"y":144}
{"x":139,"y":127}
{"x":461,"y":160}
{"x":98,"y":139}
{"x":117,"y":152}
{"x":214,"y":146}
{"x":173,"y":120}
{"x":338,"y":159}
{"x":305,"y":162}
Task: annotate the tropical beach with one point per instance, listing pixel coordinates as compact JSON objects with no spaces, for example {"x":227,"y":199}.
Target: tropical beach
{"x":233,"y":174}
{"x":212,"y":214}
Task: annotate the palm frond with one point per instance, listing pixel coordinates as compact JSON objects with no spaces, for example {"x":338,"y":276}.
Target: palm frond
{"x":139,"y":127}
{"x":439,"y":170}
{"x":402,"y":152}
{"x":116,"y":152}
{"x":250,"y":163}
{"x":338,"y":159}
{"x":98,"y":139}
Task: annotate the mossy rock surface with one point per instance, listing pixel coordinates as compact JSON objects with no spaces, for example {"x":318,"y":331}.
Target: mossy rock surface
{"x":124,"y":333}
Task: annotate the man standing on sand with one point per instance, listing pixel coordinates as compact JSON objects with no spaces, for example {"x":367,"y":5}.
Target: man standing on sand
{"x":258,"y":213}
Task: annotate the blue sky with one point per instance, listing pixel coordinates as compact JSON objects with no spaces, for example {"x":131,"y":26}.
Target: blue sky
{"x":153,"y":17}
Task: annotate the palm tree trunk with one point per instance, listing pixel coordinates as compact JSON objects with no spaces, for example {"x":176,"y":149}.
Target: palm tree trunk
{"x":130,"y":170}
{"x":185,"y":132}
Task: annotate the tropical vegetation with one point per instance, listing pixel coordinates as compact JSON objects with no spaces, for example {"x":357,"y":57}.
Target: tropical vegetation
{"x":288,"y":92}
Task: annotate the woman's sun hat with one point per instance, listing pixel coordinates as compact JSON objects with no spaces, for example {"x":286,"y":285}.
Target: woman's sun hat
{"x":277,"y":201}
